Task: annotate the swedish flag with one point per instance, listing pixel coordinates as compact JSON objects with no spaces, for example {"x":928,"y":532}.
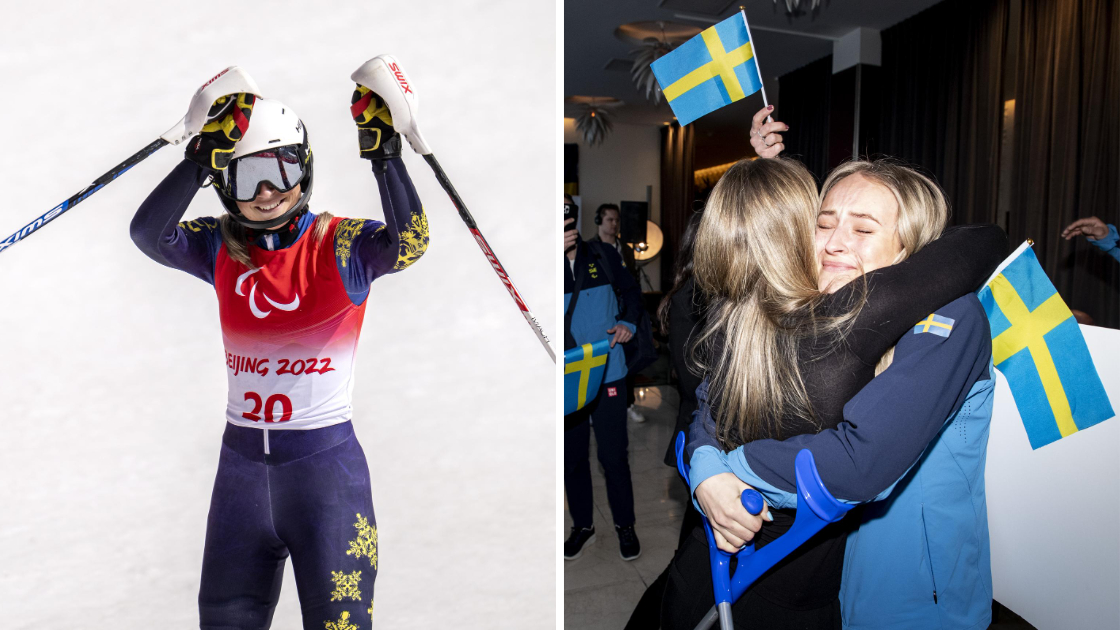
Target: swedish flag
{"x":583,"y":373}
{"x":1038,"y":346}
{"x":713,"y":69}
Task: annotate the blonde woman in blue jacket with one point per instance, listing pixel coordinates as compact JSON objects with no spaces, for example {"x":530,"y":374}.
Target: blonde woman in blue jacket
{"x":915,"y":436}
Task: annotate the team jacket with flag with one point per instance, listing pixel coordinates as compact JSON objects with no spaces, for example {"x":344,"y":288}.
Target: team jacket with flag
{"x":920,"y":558}
{"x":291,"y":321}
{"x":597,"y":307}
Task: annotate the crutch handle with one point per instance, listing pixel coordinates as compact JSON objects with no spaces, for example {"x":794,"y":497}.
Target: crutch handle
{"x":752,"y":501}
{"x":816,"y":508}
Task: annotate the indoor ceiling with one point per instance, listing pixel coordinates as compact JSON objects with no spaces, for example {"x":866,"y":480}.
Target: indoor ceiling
{"x":590,"y":45}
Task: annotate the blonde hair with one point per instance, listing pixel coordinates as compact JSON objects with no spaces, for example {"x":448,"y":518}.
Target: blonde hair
{"x":923,"y":210}
{"x":756,"y":263}
{"x":237,"y":240}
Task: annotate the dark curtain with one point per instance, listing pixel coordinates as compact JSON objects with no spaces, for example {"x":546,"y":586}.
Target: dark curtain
{"x":678,"y":190}
{"x":1066,"y":158}
{"x":941,"y":105}
{"x":804,"y":107}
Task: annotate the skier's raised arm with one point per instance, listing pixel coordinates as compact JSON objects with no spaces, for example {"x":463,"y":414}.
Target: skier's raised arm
{"x":368,"y":249}
{"x":192,"y":246}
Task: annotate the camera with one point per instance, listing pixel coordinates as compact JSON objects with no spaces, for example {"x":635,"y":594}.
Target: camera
{"x":571,"y":211}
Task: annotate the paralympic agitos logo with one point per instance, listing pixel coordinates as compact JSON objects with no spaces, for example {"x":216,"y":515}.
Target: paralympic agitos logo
{"x":257,"y":311}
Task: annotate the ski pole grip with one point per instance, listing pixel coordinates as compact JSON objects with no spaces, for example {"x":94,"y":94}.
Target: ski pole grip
{"x":752,"y":501}
{"x":232,"y":80}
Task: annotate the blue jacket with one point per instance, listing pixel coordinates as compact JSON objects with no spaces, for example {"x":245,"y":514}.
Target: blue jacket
{"x":935,"y":521}
{"x":597,"y":308}
{"x":931,"y":536}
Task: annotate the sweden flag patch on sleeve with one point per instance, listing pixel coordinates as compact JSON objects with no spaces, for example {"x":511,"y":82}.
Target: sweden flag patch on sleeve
{"x":936,"y":324}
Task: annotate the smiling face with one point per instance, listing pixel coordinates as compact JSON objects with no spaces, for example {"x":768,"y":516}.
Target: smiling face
{"x":857,"y":231}
{"x":269,"y":203}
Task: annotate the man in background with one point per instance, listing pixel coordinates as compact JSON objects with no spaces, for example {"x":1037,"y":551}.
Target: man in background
{"x":608,"y":219}
{"x":600,"y":301}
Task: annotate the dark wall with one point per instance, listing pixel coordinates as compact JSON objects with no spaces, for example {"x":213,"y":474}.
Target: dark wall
{"x":940,"y":99}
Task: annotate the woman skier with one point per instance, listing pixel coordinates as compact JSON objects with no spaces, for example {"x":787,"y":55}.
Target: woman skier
{"x":292,"y":289}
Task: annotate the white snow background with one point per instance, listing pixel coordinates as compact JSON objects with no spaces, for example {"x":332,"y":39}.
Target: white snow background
{"x":112,"y":380}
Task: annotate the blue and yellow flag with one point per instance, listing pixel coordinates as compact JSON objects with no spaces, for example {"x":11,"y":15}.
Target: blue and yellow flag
{"x":583,"y":373}
{"x":713,"y":69}
{"x":1039,"y":348}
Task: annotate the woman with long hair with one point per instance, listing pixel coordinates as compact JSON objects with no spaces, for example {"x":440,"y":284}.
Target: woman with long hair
{"x":790,"y":338}
{"x":679,"y":315}
{"x":292,"y":290}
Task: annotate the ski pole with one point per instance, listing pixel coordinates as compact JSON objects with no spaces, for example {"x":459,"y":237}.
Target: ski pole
{"x":97,"y":185}
{"x":232,"y":80}
{"x":384,"y":76}
{"x":465,"y":214}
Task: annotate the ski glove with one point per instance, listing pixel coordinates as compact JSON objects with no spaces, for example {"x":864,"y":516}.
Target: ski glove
{"x":229,"y":116}
{"x":377,"y":140}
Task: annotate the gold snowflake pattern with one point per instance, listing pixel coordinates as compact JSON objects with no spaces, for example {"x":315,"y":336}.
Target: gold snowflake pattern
{"x":365,"y":545}
{"x":370,"y":611}
{"x":197,"y":225}
{"x":344,"y":236}
{"x":343,"y":623}
{"x":346,"y":585}
{"x":414,"y":241}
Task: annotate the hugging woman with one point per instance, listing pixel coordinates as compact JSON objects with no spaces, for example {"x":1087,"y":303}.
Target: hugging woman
{"x":795,"y":329}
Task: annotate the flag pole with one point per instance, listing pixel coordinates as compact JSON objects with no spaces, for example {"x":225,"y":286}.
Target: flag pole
{"x":754,"y":56}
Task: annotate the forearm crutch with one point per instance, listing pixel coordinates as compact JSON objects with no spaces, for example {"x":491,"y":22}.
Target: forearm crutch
{"x":816,"y":508}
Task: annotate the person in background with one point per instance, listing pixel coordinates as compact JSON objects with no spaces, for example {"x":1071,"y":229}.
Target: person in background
{"x":608,"y":218}
{"x":608,"y":221}
{"x":1097,"y":232}
{"x":595,"y":309}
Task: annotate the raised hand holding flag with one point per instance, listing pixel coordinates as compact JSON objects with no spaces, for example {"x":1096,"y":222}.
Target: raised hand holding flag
{"x":713,"y":69}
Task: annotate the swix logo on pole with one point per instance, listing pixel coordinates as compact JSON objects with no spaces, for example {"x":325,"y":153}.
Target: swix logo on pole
{"x":257,"y":311}
{"x":498,"y":268}
{"x":400,"y":78}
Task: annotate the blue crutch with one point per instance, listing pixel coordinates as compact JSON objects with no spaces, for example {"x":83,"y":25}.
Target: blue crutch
{"x":816,"y":508}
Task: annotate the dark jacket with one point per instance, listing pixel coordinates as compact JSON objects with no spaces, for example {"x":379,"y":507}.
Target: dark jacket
{"x":598,"y":307}
{"x":627,"y":254}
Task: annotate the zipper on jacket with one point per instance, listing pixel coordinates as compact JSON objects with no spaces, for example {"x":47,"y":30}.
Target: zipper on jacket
{"x":929,"y":556}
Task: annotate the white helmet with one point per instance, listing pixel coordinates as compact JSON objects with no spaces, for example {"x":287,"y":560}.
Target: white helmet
{"x":277,"y":152}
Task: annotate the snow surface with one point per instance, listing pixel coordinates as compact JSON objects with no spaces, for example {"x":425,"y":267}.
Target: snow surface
{"x":112,"y":384}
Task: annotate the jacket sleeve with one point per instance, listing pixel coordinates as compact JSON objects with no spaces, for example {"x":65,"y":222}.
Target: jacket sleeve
{"x":888,"y":425}
{"x":628,"y":293}
{"x":953,"y":266}
{"x":1109,"y":244}
{"x":191,"y":246}
{"x":705,"y":457}
{"x":367,"y":249}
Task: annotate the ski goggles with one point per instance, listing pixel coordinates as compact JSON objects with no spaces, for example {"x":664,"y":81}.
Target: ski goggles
{"x":281,"y":167}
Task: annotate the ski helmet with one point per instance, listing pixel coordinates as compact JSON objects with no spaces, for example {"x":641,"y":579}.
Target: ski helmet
{"x":274,"y":150}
